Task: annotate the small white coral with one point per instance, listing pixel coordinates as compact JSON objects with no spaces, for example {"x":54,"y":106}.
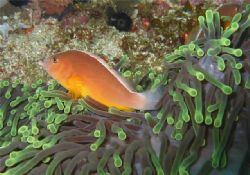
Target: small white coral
{"x":3,"y":3}
{"x":4,"y":30}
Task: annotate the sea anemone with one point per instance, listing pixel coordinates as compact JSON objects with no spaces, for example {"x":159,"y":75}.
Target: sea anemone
{"x":43,"y":130}
{"x":211,"y":90}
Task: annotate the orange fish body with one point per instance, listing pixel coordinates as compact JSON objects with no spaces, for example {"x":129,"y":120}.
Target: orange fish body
{"x":86,"y":75}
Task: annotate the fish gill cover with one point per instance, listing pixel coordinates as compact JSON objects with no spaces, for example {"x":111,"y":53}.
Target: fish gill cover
{"x":202,"y":126}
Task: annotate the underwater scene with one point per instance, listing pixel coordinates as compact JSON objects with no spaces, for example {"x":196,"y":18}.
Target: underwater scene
{"x":124,"y":87}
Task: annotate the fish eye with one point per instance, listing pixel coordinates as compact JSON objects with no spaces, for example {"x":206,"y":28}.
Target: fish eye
{"x":54,"y":60}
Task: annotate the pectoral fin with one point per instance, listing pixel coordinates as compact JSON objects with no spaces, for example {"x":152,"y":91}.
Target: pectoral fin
{"x":76,"y":88}
{"x":73,"y":94}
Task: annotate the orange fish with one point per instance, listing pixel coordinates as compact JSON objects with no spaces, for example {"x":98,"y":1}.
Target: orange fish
{"x":87,"y":75}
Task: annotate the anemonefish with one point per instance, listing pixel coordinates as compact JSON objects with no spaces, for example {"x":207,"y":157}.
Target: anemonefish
{"x":225,"y":10}
{"x":86,"y":75}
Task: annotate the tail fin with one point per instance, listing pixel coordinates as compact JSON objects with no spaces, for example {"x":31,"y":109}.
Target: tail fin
{"x":153,"y":98}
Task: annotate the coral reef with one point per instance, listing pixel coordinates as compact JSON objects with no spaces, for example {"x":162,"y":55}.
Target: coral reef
{"x":85,"y":28}
{"x":202,"y":126}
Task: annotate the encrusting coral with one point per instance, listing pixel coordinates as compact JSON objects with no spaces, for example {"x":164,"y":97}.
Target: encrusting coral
{"x":202,"y":126}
